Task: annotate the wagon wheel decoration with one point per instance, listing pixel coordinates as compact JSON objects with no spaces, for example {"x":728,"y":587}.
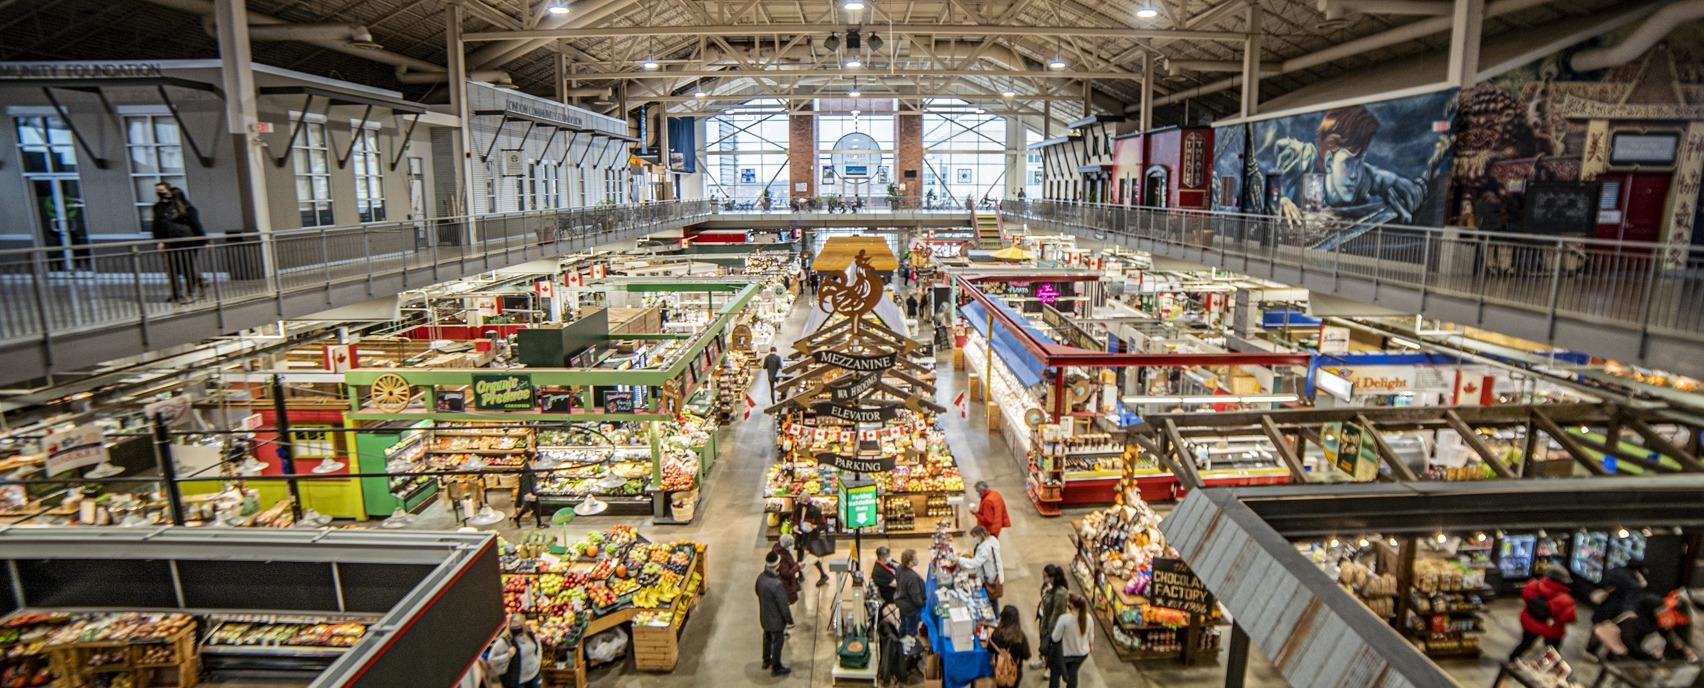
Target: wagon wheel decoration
{"x":390,"y":393}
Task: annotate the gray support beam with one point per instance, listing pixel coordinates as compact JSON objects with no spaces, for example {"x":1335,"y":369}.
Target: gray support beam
{"x":1391,"y":458}
{"x":242,"y":118}
{"x":1285,"y":452}
{"x":1236,"y":660}
{"x":1251,"y":62}
{"x":1662,"y":445}
{"x":1145,"y":118}
{"x":1473,"y":441}
{"x":457,"y":68}
{"x":1569,"y":444}
{"x":1467,"y":20}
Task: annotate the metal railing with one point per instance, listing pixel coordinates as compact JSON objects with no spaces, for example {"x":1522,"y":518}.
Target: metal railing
{"x":57,"y":289}
{"x":1640,"y":285}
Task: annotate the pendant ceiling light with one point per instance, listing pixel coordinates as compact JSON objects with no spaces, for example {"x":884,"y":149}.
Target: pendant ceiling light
{"x":558,"y":7}
{"x":853,"y":5}
{"x":1147,"y":12}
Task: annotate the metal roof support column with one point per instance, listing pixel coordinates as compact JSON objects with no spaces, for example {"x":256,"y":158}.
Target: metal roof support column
{"x":457,"y":76}
{"x":1466,"y":21}
{"x":1251,"y":63}
{"x":242,"y":118}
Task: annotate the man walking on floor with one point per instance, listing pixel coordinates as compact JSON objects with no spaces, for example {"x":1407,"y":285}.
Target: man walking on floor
{"x":772,"y":365}
{"x":773,"y":615}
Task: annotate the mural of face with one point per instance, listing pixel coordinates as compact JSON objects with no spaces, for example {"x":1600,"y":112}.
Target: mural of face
{"x":1343,"y":177}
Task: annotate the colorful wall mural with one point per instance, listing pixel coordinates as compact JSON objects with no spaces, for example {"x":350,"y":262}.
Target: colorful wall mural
{"x":1634,"y":133}
{"x":1372,"y":164}
{"x":1230,"y":169}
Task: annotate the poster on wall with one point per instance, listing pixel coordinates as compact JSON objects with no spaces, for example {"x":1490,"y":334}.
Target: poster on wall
{"x":68,"y":450}
{"x":1337,"y":173}
{"x":748,"y":175}
{"x":1561,"y":208}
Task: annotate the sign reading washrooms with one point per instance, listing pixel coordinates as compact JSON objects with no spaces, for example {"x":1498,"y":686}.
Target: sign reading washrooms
{"x":502,"y":392}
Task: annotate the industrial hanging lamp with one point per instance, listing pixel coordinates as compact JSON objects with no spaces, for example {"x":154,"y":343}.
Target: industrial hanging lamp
{"x":558,"y":7}
{"x":853,"y":5}
{"x":1147,"y":12}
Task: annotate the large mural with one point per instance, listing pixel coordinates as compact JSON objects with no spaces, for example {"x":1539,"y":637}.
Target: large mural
{"x":1230,"y":169}
{"x":1633,"y":132}
{"x":1337,"y":173}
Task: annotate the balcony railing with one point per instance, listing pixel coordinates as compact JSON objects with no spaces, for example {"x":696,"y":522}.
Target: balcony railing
{"x":1646,"y":286}
{"x":45,"y":291}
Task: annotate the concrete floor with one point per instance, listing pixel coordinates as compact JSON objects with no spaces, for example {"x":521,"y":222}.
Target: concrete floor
{"x":720,"y":644}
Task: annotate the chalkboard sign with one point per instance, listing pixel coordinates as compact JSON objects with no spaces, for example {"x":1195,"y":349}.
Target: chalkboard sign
{"x":1174,"y":586}
{"x":555,"y":400}
{"x":618,"y":402}
{"x":1559,"y":208}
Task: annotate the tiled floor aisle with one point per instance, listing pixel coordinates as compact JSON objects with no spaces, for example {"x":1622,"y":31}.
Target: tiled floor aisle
{"x":720,"y":643}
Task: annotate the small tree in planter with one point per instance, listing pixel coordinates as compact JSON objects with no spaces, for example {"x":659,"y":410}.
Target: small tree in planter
{"x":894,"y":196}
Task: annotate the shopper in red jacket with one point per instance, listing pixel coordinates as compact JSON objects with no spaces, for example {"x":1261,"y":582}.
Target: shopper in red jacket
{"x":1549,"y":609}
{"x":991,"y":509}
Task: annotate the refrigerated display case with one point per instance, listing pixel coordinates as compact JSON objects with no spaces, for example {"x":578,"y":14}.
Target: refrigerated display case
{"x":1588,"y":554}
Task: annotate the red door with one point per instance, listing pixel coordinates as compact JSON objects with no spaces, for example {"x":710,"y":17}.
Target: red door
{"x":1631,"y":206}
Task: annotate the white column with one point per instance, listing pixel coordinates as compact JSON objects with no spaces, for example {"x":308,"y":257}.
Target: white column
{"x":1251,"y":63}
{"x":242,"y":119}
{"x":1466,"y":20}
{"x":457,"y":76}
{"x":1015,"y":155}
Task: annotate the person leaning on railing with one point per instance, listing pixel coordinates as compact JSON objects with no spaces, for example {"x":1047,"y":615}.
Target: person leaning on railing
{"x":177,"y":228}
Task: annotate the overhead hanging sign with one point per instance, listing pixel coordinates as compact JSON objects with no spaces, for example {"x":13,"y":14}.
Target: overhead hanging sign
{"x":502,"y":392}
{"x":171,"y":412}
{"x":1174,"y":586}
{"x":855,"y":389}
{"x":862,"y":364}
{"x":856,"y":414}
{"x":856,"y":464}
{"x":68,"y":450}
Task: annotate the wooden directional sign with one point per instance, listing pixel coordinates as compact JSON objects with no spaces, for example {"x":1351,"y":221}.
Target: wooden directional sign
{"x":858,"y":386}
{"x":857,"y":414}
{"x":862,"y":364}
{"x":856,"y":464}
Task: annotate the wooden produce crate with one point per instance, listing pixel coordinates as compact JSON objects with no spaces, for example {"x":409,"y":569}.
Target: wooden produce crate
{"x":656,"y":648}
{"x":179,"y":666}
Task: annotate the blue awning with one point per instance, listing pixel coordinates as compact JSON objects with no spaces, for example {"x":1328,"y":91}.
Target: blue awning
{"x":1279,"y":318}
{"x":1008,"y":346}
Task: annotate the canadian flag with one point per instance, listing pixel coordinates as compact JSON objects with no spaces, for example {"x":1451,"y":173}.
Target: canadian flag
{"x":750,"y":404}
{"x":574,"y":279}
{"x":964,"y":411}
{"x":1473,"y":389}
{"x":599,"y":271}
{"x":340,"y":357}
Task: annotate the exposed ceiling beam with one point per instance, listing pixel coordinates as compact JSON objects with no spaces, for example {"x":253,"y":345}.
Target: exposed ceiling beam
{"x":825,"y":29}
{"x":849,"y":75}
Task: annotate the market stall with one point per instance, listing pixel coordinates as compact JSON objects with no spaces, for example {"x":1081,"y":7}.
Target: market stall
{"x":958,"y":617}
{"x":607,"y":580}
{"x":1143,"y":595}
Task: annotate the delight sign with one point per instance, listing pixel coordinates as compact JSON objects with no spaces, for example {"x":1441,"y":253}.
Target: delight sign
{"x":502,"y":392}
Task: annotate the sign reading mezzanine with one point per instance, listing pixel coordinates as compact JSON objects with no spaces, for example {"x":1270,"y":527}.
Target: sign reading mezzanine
{"x":862,"y":364}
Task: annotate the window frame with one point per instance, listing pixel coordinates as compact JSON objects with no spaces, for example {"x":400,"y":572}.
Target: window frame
{"x":323,"y":210}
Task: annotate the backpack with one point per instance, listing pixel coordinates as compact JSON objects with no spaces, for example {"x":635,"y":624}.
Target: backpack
{"x":1005,"y":669}
{"x":1539,"y":609}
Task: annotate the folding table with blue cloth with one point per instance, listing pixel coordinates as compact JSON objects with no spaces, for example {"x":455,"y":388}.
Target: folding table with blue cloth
{"x":959,"y":667}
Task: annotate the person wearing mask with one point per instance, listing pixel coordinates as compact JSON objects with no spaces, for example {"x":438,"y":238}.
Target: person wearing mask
{"x":1634,"y":634}
{"x":177,"y":228}
{"x":909,"y":592}
{"x":1054,"y":594}
{"x":526,"y":496}
{"x":772,"y":365}
{"x":987,"y":562}
{"x":773,"y":615}
{"x":885,"y":575}
{"x":1072,"y":639}
{"x":1008,"y":639}
{"x":787,"y":567}
{"x":812,"y":526}
{"x":991,"y":509}
{"x":525,"y":656}
{"x":1620,"y":588}
{"x":1549,"y":609}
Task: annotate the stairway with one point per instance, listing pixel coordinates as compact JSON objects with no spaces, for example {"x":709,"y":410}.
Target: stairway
{"x":988,"y":234}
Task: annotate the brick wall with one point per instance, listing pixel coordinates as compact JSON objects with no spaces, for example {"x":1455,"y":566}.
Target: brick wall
{"x":801,"y":156}
{"x":908,"y":132}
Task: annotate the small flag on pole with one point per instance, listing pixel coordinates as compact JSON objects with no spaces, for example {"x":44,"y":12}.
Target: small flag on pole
{"x":964,"y":411}
{"x":750,"y":404}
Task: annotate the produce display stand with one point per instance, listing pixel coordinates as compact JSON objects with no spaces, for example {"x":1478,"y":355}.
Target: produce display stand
{"x":430,"y":596}
{"x":654,"y":630}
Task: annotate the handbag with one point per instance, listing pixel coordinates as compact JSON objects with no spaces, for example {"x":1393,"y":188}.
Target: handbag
{"x":996,"y":590}
{"x":819,"y":544}
{"x":854,"y":649}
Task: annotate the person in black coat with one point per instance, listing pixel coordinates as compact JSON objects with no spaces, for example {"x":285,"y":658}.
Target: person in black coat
{"x":177,"y":228}
{"x":910,"y":597}
{"x":812,"y":527}
{"x":885,"y":575}
{"x":773,"y":615}
{"x":526,"y":497}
